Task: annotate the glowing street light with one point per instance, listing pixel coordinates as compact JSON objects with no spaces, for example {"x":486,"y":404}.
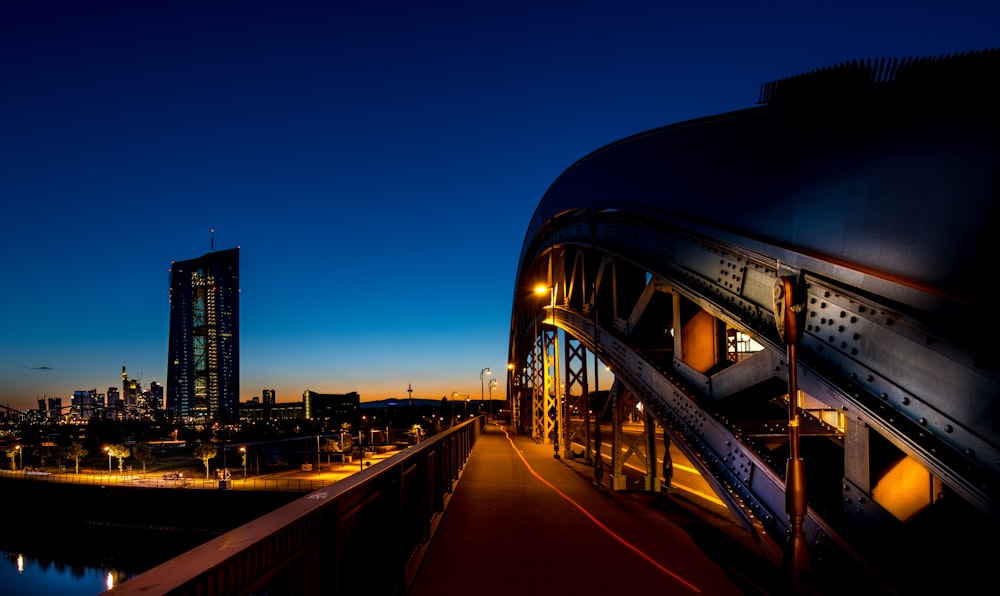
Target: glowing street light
{"x":108,"y":449}
{"x":482,"y":393}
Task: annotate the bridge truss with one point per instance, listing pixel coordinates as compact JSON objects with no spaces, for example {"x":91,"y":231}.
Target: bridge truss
{"x":871,"y":204}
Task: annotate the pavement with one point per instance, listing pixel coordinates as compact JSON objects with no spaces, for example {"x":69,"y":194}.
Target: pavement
{"x":522,"y":521}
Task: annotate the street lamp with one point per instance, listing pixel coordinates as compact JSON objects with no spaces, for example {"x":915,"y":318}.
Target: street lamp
{"x":466,"y":396}
{"x":20,"y":457}
{"x":108,"y":449}
{"x":243,"y":452}
{"x":493,"y":385}
{"x":482,"y":393}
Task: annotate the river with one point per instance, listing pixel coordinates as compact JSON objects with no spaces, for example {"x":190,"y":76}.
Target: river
{"x":25,"y":576}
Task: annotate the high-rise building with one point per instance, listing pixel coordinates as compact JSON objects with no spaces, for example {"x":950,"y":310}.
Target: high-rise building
{"x":269,"y":396}
{"x":155,"y":400}
{"x":203,"y":359}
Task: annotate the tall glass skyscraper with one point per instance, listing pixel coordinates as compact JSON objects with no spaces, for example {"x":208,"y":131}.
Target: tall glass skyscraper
{"x":203,"y":360}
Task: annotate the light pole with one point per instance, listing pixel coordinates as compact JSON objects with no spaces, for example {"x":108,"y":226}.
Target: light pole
{"x":482,"y":393}
{"x":20,"y":457}
{"x":493,"y":385}
{"x":466,"y":396}
{"x":108,"y":449}
{"x":243,"y":452}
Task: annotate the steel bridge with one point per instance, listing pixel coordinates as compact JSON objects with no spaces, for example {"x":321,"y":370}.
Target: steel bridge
{"x":833,"y":244}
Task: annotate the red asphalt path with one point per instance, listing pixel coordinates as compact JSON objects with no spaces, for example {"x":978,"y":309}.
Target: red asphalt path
{"x":523,"y":522}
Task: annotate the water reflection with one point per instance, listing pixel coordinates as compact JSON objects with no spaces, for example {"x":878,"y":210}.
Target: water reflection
{"x":24,"y":575}
{"x":73,"y":562}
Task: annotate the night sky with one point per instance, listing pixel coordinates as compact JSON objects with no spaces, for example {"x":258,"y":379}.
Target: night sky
{"x":376,"y":162}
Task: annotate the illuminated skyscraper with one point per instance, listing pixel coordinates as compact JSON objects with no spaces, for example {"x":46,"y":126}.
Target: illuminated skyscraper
{"x":203,"y":360}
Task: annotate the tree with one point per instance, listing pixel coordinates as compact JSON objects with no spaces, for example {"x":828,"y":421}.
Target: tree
{"x":143,"y":453}
{"x":46,"y":452}
{"x":416,"y":431}
{"x":330,"y":446}
{"x":121,"y":453}
{"x":75,"y":452}
{"x":12,"y":454}
{"x":205,"y":452}
{"x":346,"y":440}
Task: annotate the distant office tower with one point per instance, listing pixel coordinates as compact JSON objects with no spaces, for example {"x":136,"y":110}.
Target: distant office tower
{"x":268,"y":396}
{"x":114,"y":401}
{"x":268,"y":403}
{"x":203,"y":359}
{"x":83,"y":404}
{"x":55,"y":408}
{"x":155,"y":401}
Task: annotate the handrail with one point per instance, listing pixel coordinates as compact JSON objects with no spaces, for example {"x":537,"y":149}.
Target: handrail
{"x":364,"y":533}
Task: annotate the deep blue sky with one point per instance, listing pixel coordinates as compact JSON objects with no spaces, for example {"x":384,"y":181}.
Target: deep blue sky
{"x":377,"y":162}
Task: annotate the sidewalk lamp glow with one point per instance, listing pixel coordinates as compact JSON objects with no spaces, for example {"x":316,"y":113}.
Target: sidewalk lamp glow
{"x":108,"y":449}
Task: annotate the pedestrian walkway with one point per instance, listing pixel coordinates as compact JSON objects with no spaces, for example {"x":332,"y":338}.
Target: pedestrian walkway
{"x":522,"y":522}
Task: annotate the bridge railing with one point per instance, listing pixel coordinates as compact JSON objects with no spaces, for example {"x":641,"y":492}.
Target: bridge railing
{"x":361,"y":535}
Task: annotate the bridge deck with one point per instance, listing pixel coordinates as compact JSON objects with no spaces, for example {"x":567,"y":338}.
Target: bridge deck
{"x":514,"y":523}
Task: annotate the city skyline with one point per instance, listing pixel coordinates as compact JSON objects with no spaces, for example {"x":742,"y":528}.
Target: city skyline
{"x":376,"y":164}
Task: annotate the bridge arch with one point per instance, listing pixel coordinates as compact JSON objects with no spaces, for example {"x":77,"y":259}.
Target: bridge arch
{"x":871,"y":185}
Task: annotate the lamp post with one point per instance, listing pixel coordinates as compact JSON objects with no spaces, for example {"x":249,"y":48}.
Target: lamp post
{"x":493,"y":385}
{"x":108,"y":449}
{"x":466,"y":396}
{"x":243,"y":452}
{"x":20,"y":457}
{"x":482,"y":373}
{"x":510,"y":390}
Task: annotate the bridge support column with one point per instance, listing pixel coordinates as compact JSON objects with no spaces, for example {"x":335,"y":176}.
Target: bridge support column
{"x":652,"y":482}
{"x":576,"y":399}
{"x":618,"y":480}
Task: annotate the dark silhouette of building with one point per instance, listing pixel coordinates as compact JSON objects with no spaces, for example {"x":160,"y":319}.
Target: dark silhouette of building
{"x":334,"y":408}
{"x":203,"y":361}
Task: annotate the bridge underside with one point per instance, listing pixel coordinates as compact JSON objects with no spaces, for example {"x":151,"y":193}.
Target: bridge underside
{"x":660,"y":258}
